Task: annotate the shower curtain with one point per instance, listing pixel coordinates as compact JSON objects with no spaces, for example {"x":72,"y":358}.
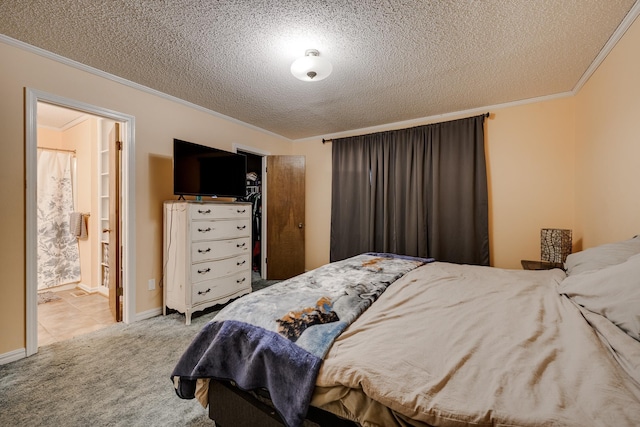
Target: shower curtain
{"x":58,"y":254}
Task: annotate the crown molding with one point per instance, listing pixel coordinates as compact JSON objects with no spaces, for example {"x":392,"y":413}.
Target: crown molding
{"x":608,"y":47}
{"x":83,"y":67}
{"x":433,"y":119}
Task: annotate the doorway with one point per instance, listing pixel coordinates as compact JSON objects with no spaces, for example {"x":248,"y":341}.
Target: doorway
{"x":256,"y":167}
{"x":254,"y":196}
{"x":282,"y":213}
{"x":76,"y":288}
{"x":73,"y":197}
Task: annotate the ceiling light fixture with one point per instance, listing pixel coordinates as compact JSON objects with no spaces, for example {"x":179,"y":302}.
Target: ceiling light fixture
{"x":311,"y":68}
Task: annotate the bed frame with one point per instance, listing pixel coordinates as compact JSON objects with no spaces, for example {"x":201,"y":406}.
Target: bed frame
{"x":231,"y":407}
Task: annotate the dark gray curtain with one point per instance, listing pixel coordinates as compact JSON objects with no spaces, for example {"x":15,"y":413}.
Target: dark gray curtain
{"x":420,"y":191}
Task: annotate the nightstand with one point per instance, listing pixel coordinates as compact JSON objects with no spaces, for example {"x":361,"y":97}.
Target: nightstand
{"x":540,"y":265}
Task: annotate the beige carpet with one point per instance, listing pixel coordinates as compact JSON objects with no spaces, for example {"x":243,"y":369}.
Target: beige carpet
{"x":118,"y":376}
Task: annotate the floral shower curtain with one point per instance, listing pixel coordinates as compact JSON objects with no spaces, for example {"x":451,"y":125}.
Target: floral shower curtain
{"x":58,"y":254}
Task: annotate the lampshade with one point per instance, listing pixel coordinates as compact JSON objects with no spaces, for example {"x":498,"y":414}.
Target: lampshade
{"x":555,"y":244}
{"x":311,"y":67}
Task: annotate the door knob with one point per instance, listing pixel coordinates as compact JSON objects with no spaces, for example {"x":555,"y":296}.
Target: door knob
{"x":300,"y":225}
{"x":106,"y":230}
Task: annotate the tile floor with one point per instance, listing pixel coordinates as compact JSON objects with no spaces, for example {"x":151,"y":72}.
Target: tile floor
{"x":75,"y":313}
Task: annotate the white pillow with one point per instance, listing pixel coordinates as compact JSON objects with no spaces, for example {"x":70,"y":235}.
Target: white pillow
{"x":602,"y":256}
{"x":613,"y":292}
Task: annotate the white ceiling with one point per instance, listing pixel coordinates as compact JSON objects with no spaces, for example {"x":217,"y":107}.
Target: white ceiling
{"x":58,"y":118}
{"x":393,"y":60}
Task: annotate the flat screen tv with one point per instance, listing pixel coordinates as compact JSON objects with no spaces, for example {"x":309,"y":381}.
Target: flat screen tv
{"x":199,"y":170}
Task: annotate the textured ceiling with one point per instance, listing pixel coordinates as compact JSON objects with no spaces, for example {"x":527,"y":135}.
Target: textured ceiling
{"x":393,"y":60}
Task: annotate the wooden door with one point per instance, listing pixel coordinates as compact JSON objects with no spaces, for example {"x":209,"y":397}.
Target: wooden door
{"x":285,"y":216}
{"x":115,"y":274}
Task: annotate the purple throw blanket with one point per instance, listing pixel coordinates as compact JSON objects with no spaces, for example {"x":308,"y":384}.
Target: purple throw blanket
{"x":276,"y":338}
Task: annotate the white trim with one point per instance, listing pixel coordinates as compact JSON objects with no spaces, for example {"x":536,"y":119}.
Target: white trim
{"x":97,"y":276}
{"x":628,"y":20}
{"x":240,"y":147}
{"x":148,"y":314}
{"x":31,"y":222}
{"x":32,"y":97}
{"x":67,"y":287}
{"x":128,"y":209}
{"x":88,"y":289}
{"x":608,"y":47}
{"x":12,"y":356}
{"x":434,"y":118}
{"x":80,"y":66}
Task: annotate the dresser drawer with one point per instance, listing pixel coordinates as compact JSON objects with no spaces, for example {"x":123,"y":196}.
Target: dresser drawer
{"x":224,"y":267}
{"x":212,"y":211}
{"x":217,"y":249}
{"x":207,"y":254}
{"x":227,"y":229}
{"x":220,"y":288}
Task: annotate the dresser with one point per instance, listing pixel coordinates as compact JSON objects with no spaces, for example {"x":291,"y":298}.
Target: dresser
{"x":207,"y":254}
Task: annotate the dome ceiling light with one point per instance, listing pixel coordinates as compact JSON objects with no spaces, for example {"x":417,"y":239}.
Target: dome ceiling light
{"x":311,"y":67}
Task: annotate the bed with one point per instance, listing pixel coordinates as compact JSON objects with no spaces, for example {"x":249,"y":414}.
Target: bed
{"x":430,"y":344}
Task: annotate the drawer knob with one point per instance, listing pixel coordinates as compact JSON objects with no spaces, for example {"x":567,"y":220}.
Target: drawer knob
{"x":241,"y":211}
{"x":204,"y":230}
{"x":204,"y":251}
{"x":204,"y":292}
{"x":241,"y":227}
{"x":241,"y":245}
{"x":200,"y":211}
{"x":205,"y":271}
{"x":241,"y":280}
{"x":241,"y":262}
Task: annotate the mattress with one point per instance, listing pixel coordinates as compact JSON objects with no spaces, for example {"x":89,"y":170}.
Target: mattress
{"x":460,"y":345}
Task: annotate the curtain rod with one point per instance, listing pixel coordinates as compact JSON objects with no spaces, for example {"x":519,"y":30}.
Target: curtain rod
{"x":486,"y":115}
{"x":57,"y":149}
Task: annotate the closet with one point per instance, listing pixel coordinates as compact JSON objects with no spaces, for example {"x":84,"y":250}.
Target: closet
{"x":254,"y":196}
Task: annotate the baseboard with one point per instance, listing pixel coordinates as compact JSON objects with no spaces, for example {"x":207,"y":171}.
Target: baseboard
{"x":12,"y":356}
{"x":102,"y":290}
{"x":87,"y":289}
{"x":67,"y":287}
{"x":148,"y":314}
{"x":21,"y":353}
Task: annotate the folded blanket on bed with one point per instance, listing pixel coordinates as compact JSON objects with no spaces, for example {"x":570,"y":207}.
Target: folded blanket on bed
{"x":276,"y":338}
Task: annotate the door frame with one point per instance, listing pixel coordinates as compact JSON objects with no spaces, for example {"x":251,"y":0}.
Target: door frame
{"x":32,"y":97}
{"x":263,"y":227}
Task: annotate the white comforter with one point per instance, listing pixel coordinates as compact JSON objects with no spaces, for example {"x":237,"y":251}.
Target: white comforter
{"x":452,"y":345}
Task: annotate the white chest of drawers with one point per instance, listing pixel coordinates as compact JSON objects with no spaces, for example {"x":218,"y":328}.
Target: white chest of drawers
{"x":207,"y":254}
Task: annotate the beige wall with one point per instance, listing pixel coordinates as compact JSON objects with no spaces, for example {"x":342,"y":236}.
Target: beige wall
{"x":318,"y":201}
{"x":50,"y":138}
{"x":565,"y":163}
{"x":569,"y":162}
{"x":530,"y":170}
{"x":158,"y":121}
{"x":608,"y":146}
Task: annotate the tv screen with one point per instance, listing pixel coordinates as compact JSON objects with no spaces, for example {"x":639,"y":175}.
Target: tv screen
{"x":199,"y":170}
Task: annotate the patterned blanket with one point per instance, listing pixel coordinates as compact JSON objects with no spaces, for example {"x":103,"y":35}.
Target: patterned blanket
{"x":276,"y":338}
